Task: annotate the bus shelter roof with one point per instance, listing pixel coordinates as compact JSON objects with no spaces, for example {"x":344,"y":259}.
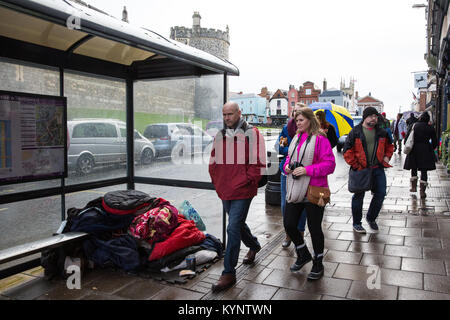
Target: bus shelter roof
{"x":66,"y":34}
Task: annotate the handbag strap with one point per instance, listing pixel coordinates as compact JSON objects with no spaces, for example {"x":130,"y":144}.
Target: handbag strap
{"x":304,"y":150}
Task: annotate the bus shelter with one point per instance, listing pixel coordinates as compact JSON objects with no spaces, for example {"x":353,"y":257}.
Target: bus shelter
{"x":106,"y":69}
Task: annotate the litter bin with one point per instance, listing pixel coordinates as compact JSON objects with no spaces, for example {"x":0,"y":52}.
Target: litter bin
{"x":273,"y":187}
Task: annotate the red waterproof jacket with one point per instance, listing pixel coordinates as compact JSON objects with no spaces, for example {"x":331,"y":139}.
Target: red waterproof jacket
{"x":237,"y":162}
{"x":185,"y":235}
{"x":355,"y":148}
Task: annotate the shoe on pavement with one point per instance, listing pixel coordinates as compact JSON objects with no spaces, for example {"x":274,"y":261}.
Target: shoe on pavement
{"x":250,"y":256}
{"x":225,"y":281}
{"x":317,"y":269}
{"x":359,"y":228}
{"x":303,"y":257}
{"x":286,"y":243}
{"x":373,"y":225}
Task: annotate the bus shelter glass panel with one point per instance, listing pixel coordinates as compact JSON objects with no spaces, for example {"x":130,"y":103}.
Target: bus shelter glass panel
{"x":25,"y":221}
{"x":180,"y":118}
{"x":205,"y":202}
{"x":96,"y":127}
{"x":34,"y":79}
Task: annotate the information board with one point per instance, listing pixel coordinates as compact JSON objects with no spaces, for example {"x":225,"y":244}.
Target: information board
{"x":33,"y":135}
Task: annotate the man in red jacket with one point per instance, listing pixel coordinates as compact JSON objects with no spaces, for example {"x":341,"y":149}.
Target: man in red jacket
{"x":238,"y":159}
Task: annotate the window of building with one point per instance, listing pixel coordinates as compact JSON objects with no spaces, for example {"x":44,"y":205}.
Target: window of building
{"x":308,"y":92}
{"x":278,"y":103}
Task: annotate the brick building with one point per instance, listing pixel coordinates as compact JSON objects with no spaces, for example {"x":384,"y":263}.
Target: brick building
{"x":369,"y":101}
{"x":292,"y":99}
{"x":308,"y":93}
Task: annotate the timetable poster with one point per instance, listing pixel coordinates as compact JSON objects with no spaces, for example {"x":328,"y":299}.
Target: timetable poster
{"x":32,"y":137}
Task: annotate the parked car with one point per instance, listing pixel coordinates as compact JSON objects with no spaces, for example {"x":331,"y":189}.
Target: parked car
{"x":97,"y":142}
{"x":176,"y":137}
{"x":213,"y":127}
{"x":341,"y":141}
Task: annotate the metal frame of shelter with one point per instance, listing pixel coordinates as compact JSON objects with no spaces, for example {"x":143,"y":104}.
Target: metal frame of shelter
{"x":68,"y":36}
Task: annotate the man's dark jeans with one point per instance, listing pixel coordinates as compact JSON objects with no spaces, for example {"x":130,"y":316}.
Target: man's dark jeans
{"x":237,"y":230}
{"x":379,"y":192}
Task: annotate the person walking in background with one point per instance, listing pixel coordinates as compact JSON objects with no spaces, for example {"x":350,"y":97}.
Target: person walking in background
{"x":385,"y":124}
{"x":368,"y":145}
{"x":285,"y":138}
{"x":409,"y":124}
{"x":309,"y":162}
{"x":422,"y":156}
{"x":237,"y":161}
{"x":328,"y":128}
{"x":399,"y":132}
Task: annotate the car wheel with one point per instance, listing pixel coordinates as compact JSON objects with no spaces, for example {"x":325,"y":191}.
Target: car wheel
{"x":178,"y":151}
{"x":147,"y":156}
{"x":85,"y":164}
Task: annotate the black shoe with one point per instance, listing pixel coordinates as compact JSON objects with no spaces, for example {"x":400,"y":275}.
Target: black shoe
{"x":373,"y":225}
{"x":317,"y":269}
{"x":303,"y":257}
{"x":359,"y":228}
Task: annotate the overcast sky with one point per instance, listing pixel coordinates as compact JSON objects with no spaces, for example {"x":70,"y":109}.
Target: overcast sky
{"x":278,"y":43}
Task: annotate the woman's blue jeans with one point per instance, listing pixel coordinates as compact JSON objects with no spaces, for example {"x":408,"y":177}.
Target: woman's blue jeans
{"x":379,"y":192}
{"x":237,"y":230}
{"x":302,"y":221}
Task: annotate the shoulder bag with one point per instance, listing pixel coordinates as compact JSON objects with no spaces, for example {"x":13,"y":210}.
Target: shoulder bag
{"x":360,"y":180}
{"x":318,"y":195}
{"x":409,"y":144}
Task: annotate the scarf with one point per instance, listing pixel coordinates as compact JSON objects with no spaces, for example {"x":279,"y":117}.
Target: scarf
{"x":296,"y":188}
{"x":242,"y":125}
{"x":292,"y":128}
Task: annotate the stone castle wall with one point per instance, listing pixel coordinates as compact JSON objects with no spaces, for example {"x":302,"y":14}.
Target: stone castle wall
{"x":215,"y":42}
{"x":200,"y":97}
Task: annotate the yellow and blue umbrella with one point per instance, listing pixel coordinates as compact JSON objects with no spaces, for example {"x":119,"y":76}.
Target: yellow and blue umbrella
{"x":338,"y":116}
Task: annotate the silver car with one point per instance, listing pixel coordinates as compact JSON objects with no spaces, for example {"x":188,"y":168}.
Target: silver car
{"x":97,"y":142}
{"x":176,"y":138}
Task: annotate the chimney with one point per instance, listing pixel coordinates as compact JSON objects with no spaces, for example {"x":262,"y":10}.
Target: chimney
{"x":324,"y":85}
{"x":125,"y":14}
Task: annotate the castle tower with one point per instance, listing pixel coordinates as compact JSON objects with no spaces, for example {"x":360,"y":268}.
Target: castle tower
{"x":215,"y":42}
{"x":196,"y":20}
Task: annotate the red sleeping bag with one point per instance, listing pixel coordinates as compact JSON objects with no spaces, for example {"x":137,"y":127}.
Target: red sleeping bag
{"x":185,"y":235}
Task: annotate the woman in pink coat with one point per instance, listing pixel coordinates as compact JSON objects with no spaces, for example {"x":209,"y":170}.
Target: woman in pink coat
{"x":309,"y":161}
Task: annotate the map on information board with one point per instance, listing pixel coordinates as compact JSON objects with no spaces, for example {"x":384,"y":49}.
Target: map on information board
{"x":32,"y":137}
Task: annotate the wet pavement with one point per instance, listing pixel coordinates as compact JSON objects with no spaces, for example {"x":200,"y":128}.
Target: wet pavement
{"x":408,"y":258}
